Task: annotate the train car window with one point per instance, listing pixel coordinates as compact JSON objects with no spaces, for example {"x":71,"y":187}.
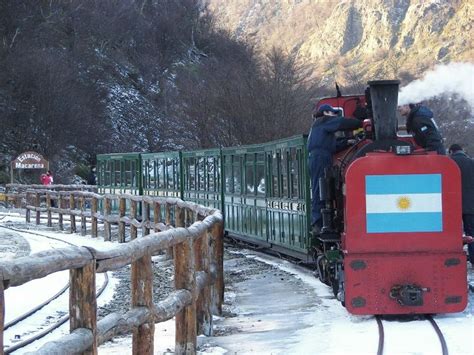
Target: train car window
{"x":212,"y":164}
{"x":171,"y":174}
{"x":229,"y":184}
{"x":202,"y":174}
{"x":190,"y":174}
{"x":237,"y":174}
{"x":275,"y":173}
{"x":260,"y":174}
{"x":294,"y":176}
{"x":284,"y":173}
{"x":250,"y":174}
{"x":117,"y":170}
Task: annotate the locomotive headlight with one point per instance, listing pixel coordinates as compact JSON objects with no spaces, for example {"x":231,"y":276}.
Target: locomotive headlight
{"x":403,"y":149}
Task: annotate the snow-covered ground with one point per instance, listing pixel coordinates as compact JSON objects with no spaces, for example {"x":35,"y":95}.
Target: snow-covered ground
{"x":272,"y":307}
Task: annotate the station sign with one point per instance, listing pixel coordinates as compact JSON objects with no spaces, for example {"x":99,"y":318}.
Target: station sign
{"x":30,"y":160}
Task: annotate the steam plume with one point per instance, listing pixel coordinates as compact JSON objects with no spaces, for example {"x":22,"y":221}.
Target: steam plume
{"x":451,"y":78}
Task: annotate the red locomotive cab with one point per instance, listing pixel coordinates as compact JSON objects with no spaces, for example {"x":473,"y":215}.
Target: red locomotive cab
{"x":403,"y":240}
{"x":347,"y":104}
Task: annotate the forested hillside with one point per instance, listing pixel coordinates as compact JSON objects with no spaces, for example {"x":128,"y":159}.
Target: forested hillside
{"x":83,"y":77}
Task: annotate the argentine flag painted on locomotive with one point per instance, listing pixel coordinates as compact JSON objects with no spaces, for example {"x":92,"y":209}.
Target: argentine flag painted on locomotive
{"x":403,"y":203}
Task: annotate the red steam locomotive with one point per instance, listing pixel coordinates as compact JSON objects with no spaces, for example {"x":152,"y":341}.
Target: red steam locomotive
{"x":391,"y":241}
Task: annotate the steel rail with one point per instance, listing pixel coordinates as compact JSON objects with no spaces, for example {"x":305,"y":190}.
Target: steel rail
{"x":48,"y":330}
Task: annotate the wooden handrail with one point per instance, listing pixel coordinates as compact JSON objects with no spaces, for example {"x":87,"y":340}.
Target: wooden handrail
{"x":198,"y":259}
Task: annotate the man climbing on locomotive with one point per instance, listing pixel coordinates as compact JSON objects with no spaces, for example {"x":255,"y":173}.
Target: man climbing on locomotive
{"x":322,"y":144}
{"x":421,"y":124}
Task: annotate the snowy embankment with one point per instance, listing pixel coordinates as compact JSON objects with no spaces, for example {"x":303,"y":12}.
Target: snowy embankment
{"x":271,"y":307}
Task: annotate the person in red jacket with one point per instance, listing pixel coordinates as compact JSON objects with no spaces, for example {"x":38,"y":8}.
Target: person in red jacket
{"x":47,"y":179}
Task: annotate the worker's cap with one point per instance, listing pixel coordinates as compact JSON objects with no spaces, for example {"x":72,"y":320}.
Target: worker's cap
{"x":327,"y":107}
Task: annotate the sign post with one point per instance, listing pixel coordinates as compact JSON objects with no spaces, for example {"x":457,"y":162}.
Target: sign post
{"x":29,"y":160}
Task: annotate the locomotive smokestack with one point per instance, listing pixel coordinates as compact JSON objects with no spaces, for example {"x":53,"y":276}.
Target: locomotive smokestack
{"x":384,"y":95}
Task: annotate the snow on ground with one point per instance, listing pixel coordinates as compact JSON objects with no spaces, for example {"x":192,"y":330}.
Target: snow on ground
{"x":272,"y":307}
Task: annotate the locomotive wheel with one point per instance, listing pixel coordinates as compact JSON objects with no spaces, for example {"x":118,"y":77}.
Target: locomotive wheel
{"x":335,"y":286}
{"x":323,"y":270}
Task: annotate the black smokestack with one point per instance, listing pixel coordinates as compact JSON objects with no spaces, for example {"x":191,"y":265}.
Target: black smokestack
{"x":384,"y":95}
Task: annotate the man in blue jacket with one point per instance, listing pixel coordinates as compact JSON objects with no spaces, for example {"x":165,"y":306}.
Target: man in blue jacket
{"x":421,"y":124}
{"x":466,"y":165}
{"x":322,"y":144}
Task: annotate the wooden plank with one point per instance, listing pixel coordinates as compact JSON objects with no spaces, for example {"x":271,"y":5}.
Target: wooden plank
{"x":28,"y":211}
{"x":218,"y":288}
{"x":169,"y":252}
{"x":119,"y":323}
{"x":133,"y":215}
{"x":203,"y":304}
{"x":142,"y":296}
{"x":37,"y":204}
{"x":93,"y":217}
{"x":124,"y":254}
{"x":48,"y":205}
{"x":74,"y":343}
{"x":156,"y":214}
{"x":2,"y":314}
{"x":72,"y":206}
{"x":34,"y":266}
{"x":107,"y":210}
{"x":83,"y":302}
{"x":82,"y":203}
{"x":146,"y":217}
{"x":121,"y":224}
{"x":60,"y":213}
{"x":185,"y":342}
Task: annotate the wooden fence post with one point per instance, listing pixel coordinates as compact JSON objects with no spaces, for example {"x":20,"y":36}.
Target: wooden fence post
{"x":156,"y":214}
{"x":146,"y":218}
{"x":203,"y":309}
{"x":28,"y":211}
{"x":83,"y":302}
{"x":60,"y":214}
{"x":121,"y":224}
{"x":179,"y":222}
{"x":94,"y":217}
{"x":37,"y":205}
{"x":218,"y":287}
{"x":48,"y":205}
{"x":72,"y":206}
{"x":133,"y":217}
{"x":82,"y":203}
{"x":2,"y":314}
{"x":142,"y":296}
{"x":185,"y":278}
{"x":107,"y":211}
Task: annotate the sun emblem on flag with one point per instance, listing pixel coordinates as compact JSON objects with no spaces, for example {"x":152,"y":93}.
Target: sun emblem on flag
{"x":403,"y":203}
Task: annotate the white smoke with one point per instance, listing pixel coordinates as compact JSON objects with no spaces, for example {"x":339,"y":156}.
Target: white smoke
{"x":453,"y":78}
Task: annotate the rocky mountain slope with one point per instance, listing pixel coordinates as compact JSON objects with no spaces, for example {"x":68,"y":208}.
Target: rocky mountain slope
{"x":348,"y":39}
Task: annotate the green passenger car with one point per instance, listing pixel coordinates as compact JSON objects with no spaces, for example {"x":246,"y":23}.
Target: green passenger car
{"x":162,"y":174}
{"x":119,"y":173}
{"x":263,"y":190}
{"x":202,"y":177}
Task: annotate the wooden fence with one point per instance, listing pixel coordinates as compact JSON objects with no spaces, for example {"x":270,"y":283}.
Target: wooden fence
{"x":198,"y":264}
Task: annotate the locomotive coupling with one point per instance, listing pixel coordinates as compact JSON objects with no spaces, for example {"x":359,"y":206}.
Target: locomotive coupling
{"x":408,"y":295}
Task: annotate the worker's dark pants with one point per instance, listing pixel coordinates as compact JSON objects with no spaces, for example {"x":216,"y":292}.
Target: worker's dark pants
{"x":468,"y":222}
{"x":317,"y":163}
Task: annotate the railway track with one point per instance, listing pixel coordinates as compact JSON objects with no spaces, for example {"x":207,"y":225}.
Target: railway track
{"x":428,"y":318}
{"x":48,"y":307}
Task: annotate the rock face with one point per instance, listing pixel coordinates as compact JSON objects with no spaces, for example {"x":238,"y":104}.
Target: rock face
{"x":373,"y":37}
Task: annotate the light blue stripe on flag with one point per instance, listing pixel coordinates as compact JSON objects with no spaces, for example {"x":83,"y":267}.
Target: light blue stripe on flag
{"x":404,"y":222}
{"x":402,"y":184}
